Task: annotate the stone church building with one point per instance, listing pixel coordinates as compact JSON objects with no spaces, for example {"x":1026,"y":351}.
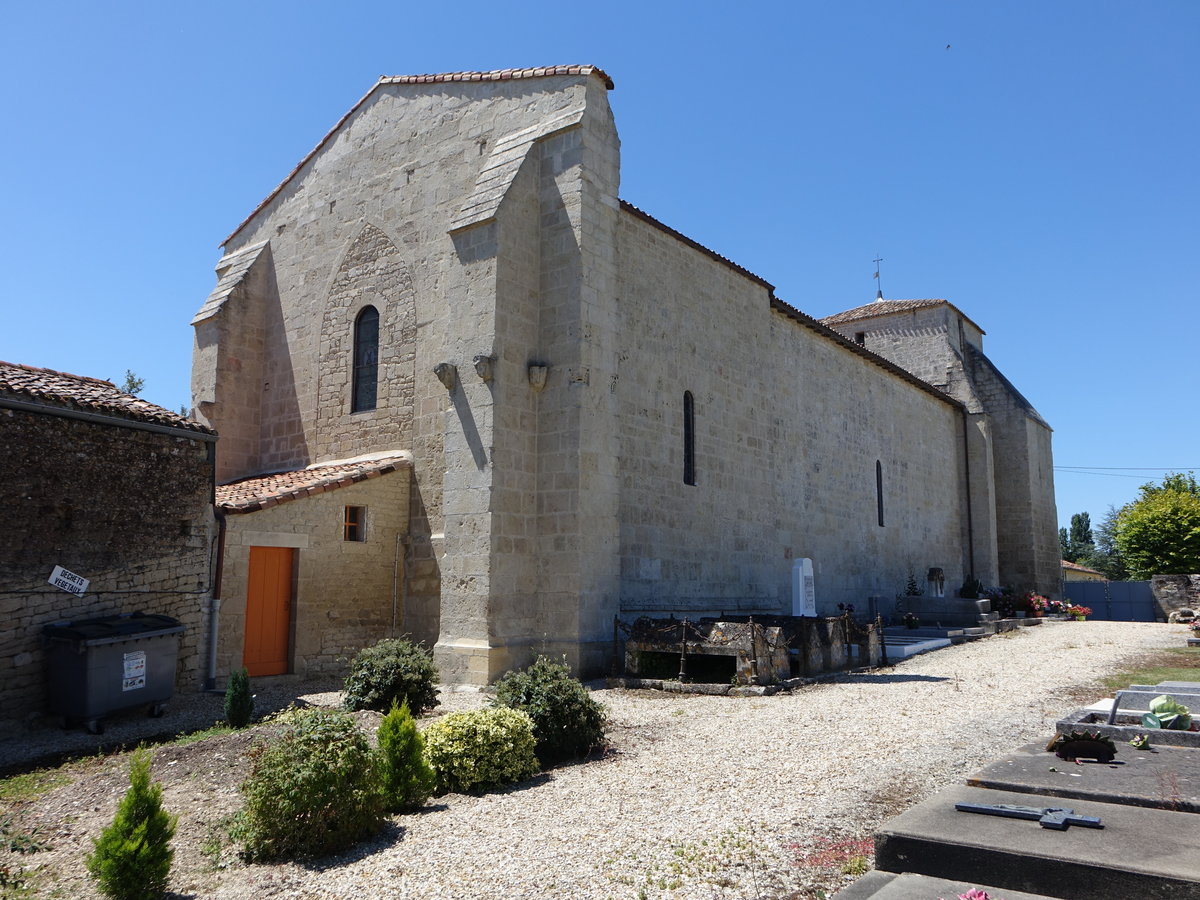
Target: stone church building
{"x":467,"y":393}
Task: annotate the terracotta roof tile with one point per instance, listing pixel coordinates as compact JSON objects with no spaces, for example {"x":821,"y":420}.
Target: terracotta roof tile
{"x":50,"y":388}
{"x":499,"y":75}
{"x":880,"y":308}
{"x":264,"y":491}
{"x":1075,"y":567}
{"x":890,"y":307}
{"x":444,"y":78}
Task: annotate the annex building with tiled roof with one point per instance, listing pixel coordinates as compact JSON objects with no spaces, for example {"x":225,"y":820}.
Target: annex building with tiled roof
{"x":113,"y":489}
{"x":468,"y":393}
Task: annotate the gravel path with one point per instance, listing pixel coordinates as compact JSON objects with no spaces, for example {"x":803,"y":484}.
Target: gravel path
{"x":724,"y":797}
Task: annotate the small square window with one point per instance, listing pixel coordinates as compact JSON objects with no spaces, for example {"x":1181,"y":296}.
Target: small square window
{"x":354,"y":527}
{"x":860,"y":338}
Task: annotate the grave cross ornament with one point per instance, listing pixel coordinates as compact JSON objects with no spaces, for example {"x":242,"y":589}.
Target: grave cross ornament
{"x":1056,"y":817}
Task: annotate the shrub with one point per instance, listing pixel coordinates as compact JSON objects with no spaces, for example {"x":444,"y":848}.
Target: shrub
{"x":567,"y":721}
{"x":408,"y":778}
{"x":481,"y":749}
{"x":393,"y":671}
{"x":132,"y":858}
{"x":239,"y":702}
{"x":312,"y":791}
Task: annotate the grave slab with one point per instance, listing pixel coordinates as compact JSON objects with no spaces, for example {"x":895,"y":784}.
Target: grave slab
{"x":1145,"y":853}
{"x":1160,"y":777}
{"x":888,"y":886}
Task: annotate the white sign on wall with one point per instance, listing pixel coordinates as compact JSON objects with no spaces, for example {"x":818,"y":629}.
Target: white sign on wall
{"x":68,"y":580}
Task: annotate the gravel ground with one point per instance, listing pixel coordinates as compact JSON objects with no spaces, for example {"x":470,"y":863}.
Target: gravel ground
{"x":716,"y":796}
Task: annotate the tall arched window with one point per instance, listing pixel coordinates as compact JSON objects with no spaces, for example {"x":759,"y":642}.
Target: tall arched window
{"x":366,"y":360}
{"x":689,"y":439}
{"x":879,"y":490}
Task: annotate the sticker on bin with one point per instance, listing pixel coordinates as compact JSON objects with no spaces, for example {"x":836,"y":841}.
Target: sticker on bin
{"x":68,"y":580}
{"x":135,"y":671}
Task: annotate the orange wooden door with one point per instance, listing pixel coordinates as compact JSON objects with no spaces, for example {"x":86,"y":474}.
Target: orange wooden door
{"x":268,"y":610}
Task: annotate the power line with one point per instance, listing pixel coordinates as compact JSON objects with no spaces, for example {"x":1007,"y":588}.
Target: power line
{"x":1132,"y":468}
{"x":1067,"y":471}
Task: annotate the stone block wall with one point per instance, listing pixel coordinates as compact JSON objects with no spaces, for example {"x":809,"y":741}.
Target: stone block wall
{"x":347,"y":594}
{"x":129,"y":510}
{"x":1175,"y":592}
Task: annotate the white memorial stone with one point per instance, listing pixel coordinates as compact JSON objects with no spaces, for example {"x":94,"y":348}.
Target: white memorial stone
{"x":804,"y":594}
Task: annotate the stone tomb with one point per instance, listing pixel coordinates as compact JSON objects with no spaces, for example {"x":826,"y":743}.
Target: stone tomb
{"x":1147,"y":802}
{"x":1119,"y":718}
{"x":747,"y":649}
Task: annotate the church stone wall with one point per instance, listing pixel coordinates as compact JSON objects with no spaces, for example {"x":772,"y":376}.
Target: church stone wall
{"x":789,"y":427}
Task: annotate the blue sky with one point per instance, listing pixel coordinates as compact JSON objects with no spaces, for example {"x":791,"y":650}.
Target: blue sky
{"x":1031,"y":162}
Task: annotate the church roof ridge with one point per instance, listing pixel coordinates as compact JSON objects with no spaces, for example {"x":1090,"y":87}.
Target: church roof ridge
{"x":695,"y":245}
{"x":442,"y":78}
{"x":500,"y":75}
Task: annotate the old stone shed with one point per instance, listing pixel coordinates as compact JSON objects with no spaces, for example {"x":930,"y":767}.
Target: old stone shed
{"x":113,"y":488}
{"x":588,"y":413}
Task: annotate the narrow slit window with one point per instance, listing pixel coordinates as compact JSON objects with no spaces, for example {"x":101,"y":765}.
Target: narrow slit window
{"x":879,"y":490}
{"x":366,"y":360}
{"x":689,"y":439}
{"x":354,"y":525}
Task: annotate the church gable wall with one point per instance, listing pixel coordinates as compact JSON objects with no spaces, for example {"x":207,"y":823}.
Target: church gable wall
{"x":365,"y":221}
{"x":788,"y":429}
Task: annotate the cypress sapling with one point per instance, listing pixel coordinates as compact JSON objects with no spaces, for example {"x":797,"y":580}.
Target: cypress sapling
{"x":239,"y":702}
{"x":132,"y":859}
{"x":408,"y":779}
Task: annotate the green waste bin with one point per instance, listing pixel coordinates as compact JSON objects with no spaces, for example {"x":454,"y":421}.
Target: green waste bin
{"x":108,"y":664}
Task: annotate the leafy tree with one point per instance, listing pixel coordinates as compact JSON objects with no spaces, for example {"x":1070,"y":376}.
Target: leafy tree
{"x":1159,"y":533}
{"x":1077,"y":544}
{"x":1106,"y":558}
{"x":132,"y":384}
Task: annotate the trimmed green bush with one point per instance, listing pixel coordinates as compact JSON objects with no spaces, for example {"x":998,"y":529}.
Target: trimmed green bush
{"x":481,"y":749}
{"x":312,"y":791}
{"x":393,"y":671}
{"x":408,"y":779}
{"x":567,"y":721}
{"x":239,"y":702}
{"x":132,"y":859}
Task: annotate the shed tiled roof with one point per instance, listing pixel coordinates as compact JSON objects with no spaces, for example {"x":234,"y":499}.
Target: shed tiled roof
{"x":263,"y":492}
{"x":443,"y":78}
{"x":1075,"y":567}
{"x":889,"y":307}
{"x":50,"y":388}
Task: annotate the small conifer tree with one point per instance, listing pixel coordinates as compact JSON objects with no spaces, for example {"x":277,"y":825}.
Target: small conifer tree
{"x":408,"y":779}
{"x":239,"y":702}
{"x":132,"y":859}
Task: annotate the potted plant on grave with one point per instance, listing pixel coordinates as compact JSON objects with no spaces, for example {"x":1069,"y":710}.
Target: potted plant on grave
{"x":1079,"y":613}
{"x":1002,"y":601}
{"x":912,"y":620}
{"x":1036,"y":604}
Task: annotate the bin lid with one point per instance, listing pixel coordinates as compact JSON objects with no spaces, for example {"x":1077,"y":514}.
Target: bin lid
{"x":124,"y":626}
